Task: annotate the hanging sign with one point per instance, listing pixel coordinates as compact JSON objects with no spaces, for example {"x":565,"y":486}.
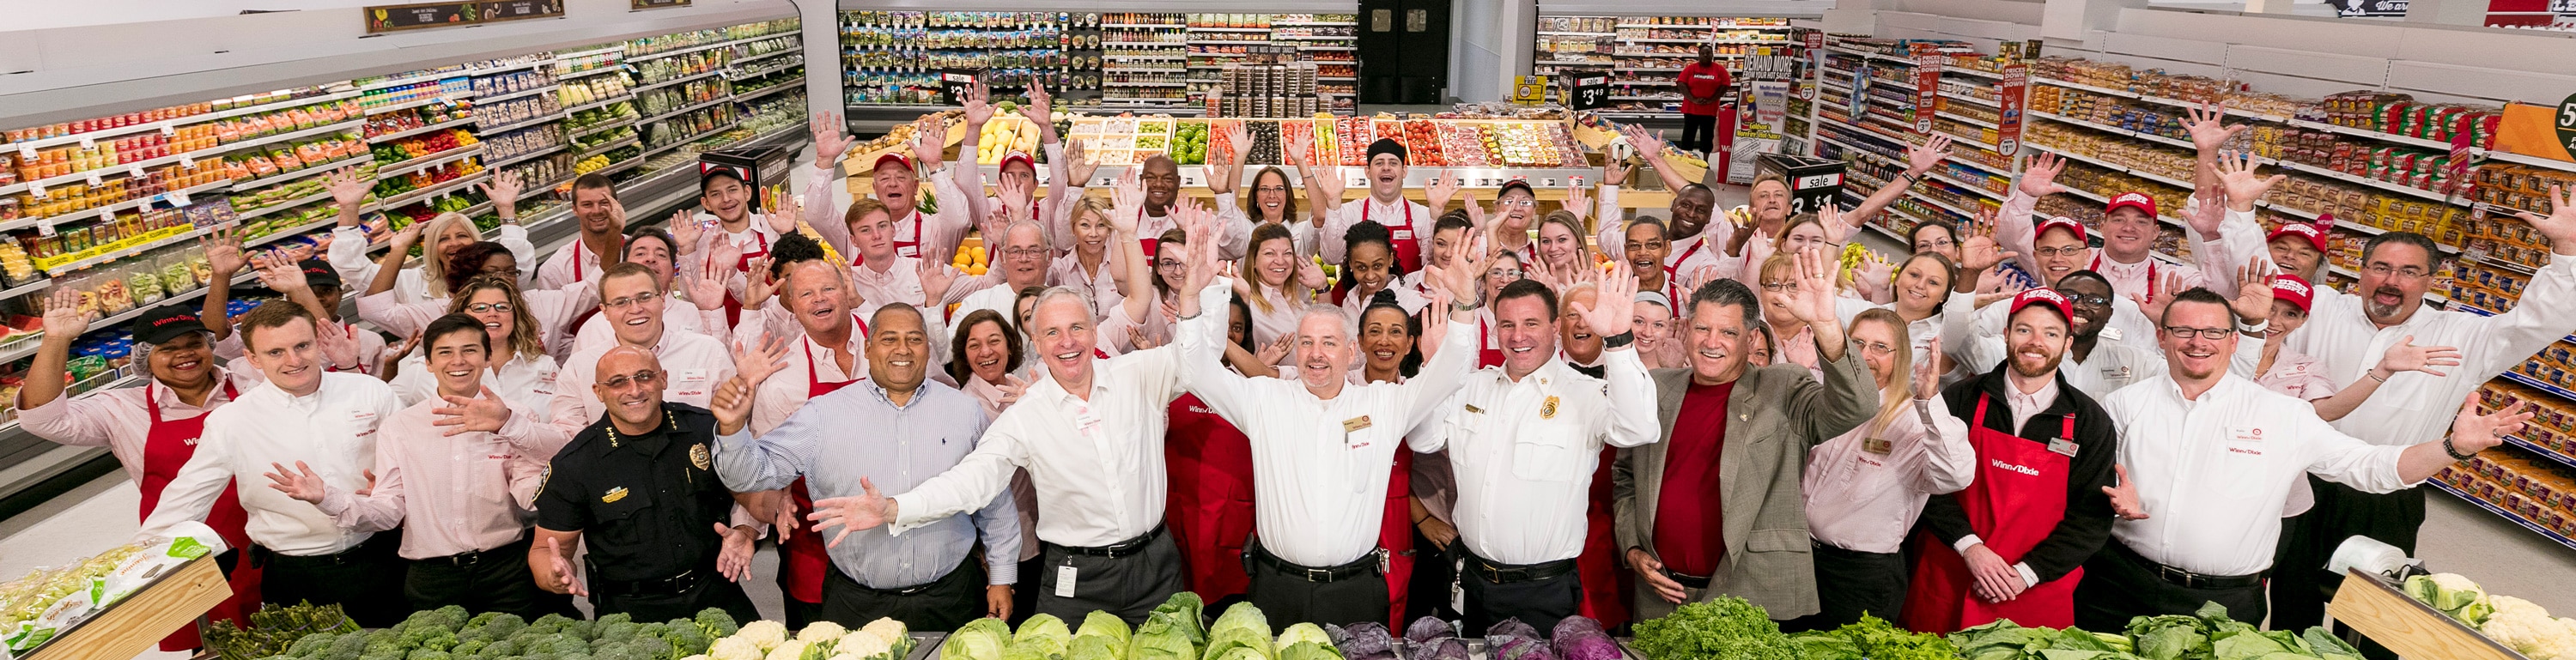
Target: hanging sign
{"x":2008,"y":105}
{"x":1927,"y":85}
{"x":1529,"y":89}
{"x":640,"y":5}
{"x":1586,"y":92}
{"x":396,"y":18}
{"x":519,"y":10}
{"x":2354,"y":8}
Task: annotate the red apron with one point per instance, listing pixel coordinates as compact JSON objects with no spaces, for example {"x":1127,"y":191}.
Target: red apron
{"x":803,"y":561}
{"x":1604,"y":587}
{"x":1408,"y":249}
{"x":2017,"y":498}
{"x":1487,"y":355}
{"x":1396,"y":535}
{"x":1209,"y":505}
{"x":1150,"y":243}
{"x":167,"y":446}
{"x":910,"y":247}
{"x":733,"y":306}
{"x":2151,"y":273}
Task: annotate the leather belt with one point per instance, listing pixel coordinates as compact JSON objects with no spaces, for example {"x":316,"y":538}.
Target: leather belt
{"x":1365,"y":565}
{"x":2188,"y":579}
{"x":1685,"y":579}
{"x":1114,"y":550}
{"x":669,"y":586}
{"x":1509,"y":573}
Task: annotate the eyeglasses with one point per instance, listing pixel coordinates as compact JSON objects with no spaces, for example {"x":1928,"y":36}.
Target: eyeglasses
{"x":2180,"y":332}
{"x":2406,"y":273}
{"x":512,"y":271}
{"x":2069,"y":251}
{"x":1877,"y":348}
{"x":622,"y":303}
{"x":1776,"y":286}
{"x":1025,"y":252}
{"x":2094,"y":301}
{"x":1170,"y":264}
{"x":1523,"y":203}
{"x":485,"y":308}
{"x":1504,"y":273}
{"x":646,"y":378}
{"x":1280,"y":189}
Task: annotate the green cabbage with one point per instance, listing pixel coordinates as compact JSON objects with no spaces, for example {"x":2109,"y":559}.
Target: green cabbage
{"x":1189,"y":613}
{"x":1045,"y":633}
{"x":1242,"y":626}
{"x":1094,"y":647}
{"x":1106,"y":626}
{"x":1162,"y":637}
{"x":1305,"y":632}
{"x":980,"y":639}
{"x":2453,"y":595}
{"x":1308,"y":650}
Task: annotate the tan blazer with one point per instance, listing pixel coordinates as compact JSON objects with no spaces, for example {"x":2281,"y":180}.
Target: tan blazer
{"x":1776,"y":414}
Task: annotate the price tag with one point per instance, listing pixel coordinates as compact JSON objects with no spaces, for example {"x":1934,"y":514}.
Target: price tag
{"x":187,"y":162}
{"x":93,"y":179}
{"x":134,"y":170}
{"x":2481,"y":208}
{"x":45,"y":226}
{"x":168,"y":129}
{"x":178,"y":198}
{"x":87,"y":142}
{"x":26,"y":150}
{"x":36,"y":189}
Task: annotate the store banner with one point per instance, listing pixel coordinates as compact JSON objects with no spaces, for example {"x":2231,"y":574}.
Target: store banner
{"x":1814,"y":40}
{"x":1770,"y":102}
{"x":2357,"y":8}
{"x":2539,"y":131}
{"x":397,"y":18}
{"x":2008,"y":103}
{"x":953,"y":84}
{"x":1927,"y":85}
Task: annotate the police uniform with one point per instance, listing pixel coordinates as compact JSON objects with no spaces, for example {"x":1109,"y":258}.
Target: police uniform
{"x":648,"y":504}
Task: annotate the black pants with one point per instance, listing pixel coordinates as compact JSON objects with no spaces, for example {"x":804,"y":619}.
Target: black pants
{"x":1435,"y":573}
{"x":366,"y":581}
{"x":1699,"y":133}
{"x":1287,"y":597}
{"x":494,"y":580}
{"x":2119,"y":585}
{"x":1850,"y":583}
{"x":1024,"y":596}
{"x":2311,"y":538}
{"x":1128,"y":586}
{"x":799,"y":612}
{"x":708,"y":589}
{"x":943,"y":604}
{"x":1540,"y":603}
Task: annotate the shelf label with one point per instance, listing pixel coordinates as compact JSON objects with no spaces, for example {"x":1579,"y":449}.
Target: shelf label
{"x":169,"y":130}
{"x":187,"y":162}
{"x":93,"y":179}
{"x":178,"y":198}
{"x":26,"y":150}
{"x":45,"y":226}
{"x":88,"y":142}
{"x":134,"y":170}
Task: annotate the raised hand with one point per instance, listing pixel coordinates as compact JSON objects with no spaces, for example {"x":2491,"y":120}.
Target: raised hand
{"x":734,"y":558}
{"x":2236,"y":176}
{"x":1015,"y":195}
{"x":936,"y":278}
{"x":731,"y":404}
{"x":1927,"y":377}
{"x":2207,"y":134}
{"x":1442,"y":188}
{"x":707,"y":290}
{"x":684,"y":230}
{"x":756,"y":284}
{"x":1238,"y":141}
{"x":502,"y":189}
{"x":1277,"y":350}
{"x":1813,"y":302}
{"x":224,"y":253}
{"x":1128,"y":198}
{"x":1311,"y":275}
{"x":1012,"y":387}
{"x":485,"y":413}
{"x":1578,"y":200}
{"x":303,"y":483}
{"x":2154,"y":307}
{"x":2253,"y":291}
{"x":2560,"y":224}
{"x":403,"y":239}
{"x":1041,"y":108}
{"x":283,"y":276}
{"x":979,"y":108}
{"x":2406,"y":356}
{"x":394,"y":353}
{"x":2040,"y":180}
{"x":2473,"y":433}
{"x":1979,"y":253}
{"x":831,"y":140}
{"x":1611,"y":314}
{"x":1618,"y":171}
{"x":755,"y":364}
{"x":928,"y":143}
{"x":859,"y":512}
{"x":559,"y":576}
{"x":1647,"y":144}
{"x":1923,"y":157}
{"x":347,"y":188}
{"x":2208,"y":216}
{"x":1293,"y":145}
{"x":2124,"y":496}
{"x":782,"y":220}
{"x":1829,"y":216}
{"x":1078,"y":164}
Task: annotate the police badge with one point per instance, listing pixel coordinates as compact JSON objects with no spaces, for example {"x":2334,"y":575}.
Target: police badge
{"x":698,"y":456}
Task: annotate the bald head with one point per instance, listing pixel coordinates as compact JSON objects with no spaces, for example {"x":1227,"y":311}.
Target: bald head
{"x":1162,"y":179}
{"x":629,"y":384}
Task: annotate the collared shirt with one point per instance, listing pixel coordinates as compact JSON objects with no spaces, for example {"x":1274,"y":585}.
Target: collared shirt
{"x":905,"y":445}
{"x":678,"y":314}
{"x":647,"y":504}
{"x":1097,"y":464}
{"x":1354,"y":304}
{"x":554,"y":312}
{"x":2215,"y":267}
{"x":526,"y":383}
{"x":332,"y":430}
{"x":1865,"y":488}
{"x":348,"y":255}
{"x":452,"y":494}
{"x":2114,"y":365}
{"x":692,"y":367}
{"x":899,"y":282}
{"x":2299,"y":375}
{"x":1330,"y":241}
{"x":995,"y":294}
{"x":559,"y":270}
{"x":809,"y":362}
{"x":2027,"y":405}
{"x":1276,"y":313}
{"x":1100,"y":285}
{"x":1524,"y":452}
{"x":2414,"y":406}
{"x":1320,"y":466}
{"x":2214,"y":473}
{"x":120,"y":419}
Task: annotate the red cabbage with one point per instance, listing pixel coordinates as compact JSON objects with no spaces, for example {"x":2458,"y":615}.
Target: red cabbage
{"x":1580,"y":638}
{"x":1427,"y":628}
{"x":1445,"y":648}
{"x":1522,"y":648}
{"x":1511,"y":628}
{"x":1363,"y":641}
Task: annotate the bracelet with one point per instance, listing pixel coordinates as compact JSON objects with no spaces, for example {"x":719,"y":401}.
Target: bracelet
{"x":1911,"y":178}
{"x":2375,"y":377}
{"x":2454,"y":451}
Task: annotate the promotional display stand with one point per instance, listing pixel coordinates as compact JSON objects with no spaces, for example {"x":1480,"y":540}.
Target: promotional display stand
{"x":135,"y":624}
{"x":2414,"y":630}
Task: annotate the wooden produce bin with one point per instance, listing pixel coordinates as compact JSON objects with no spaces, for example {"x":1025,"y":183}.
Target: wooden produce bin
{"x":135,"y":624}
{"x":2409,"y":627}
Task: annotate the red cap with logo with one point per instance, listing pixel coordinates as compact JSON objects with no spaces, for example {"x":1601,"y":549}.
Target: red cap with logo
{"x":2294,"y":289}
{"x":895,"y":156}
{"x":2060,"y":222}
{"x":1020,"y":156}
{"x":2315,"y":234}
{"x":2049,"y":297}
{"x":2137,"y":200}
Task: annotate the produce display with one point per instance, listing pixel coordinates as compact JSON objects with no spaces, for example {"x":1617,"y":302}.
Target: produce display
{"x":35,"y":608}
{"x":2515,"y":623}
{"x":273,"y":628}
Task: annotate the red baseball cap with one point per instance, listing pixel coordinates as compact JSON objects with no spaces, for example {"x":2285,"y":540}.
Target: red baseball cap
{"x":895,"y":156}
{"x":2294,"y":289}
{"x":2069,"y":224}
{"x":1022,"y":157}
{"x":2133,"y":199}
{"x":2050,"y":297}
{"x":2314,"y":233}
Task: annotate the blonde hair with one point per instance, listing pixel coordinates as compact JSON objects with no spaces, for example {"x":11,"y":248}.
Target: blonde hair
{"x":524,"y":337}
{"x":1266,"y":232}
{"x":1900,"y":360}
{"x":1794,"y":222}
{"x":433,"y":266}
{"x":1783,"y":264}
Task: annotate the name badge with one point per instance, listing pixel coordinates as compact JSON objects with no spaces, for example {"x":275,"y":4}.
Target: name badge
{"x":2246,"y":440}
{"x":362,"y":416}
{"x":1401,"y":234}
{"x":1350,"y":432}
{"x":2062,"y":446}
{"x":1064,"y":581}
{"x":2115,"y":373}
{"x":1473,"y":409}
{"x":1876,"y":446}
{"x":1353,"y":425}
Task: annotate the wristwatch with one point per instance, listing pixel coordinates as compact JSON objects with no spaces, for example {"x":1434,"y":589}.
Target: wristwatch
{"x":1618,"y":340}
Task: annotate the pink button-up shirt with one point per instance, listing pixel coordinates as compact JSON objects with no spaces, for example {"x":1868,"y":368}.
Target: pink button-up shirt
{"x":1864,"y":500}
{"x":119,"y":419}
{"x":451,"y":494}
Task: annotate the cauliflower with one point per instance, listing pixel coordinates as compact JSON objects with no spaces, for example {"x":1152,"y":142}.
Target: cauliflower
{"x":2453,"y":594}
{"x":862,"y":643}
{"x":887,"y":628}
{"x":845,"y":656}
{"x":766,"y":634}
{"x":787,"y":650}
{"x":821,"y":630}
{"x":734,"y":648}
{"x":700,"y":656}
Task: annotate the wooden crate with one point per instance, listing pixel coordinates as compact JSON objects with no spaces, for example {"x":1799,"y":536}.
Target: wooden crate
{"x":2409,"y":627}
{"x":135,"y":624}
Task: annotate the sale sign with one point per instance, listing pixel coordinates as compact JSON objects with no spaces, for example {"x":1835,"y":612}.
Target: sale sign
{"x":2008,"y":103}
{"x":1927,"y":85}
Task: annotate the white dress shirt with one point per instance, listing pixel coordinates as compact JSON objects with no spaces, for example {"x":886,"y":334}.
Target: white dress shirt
{"x":2215,"y":473}
{"x":677,"y":314}
{"x":332,"y":430}
{"x":1865,"y":499}
{"x":1097,"y":464}
{"x":692,"y":367}
{"x":2414,"y":405}
{"x":1319,"y":467}
{"x":1330,"y":241}
{"x":452,"y":494}
{"x":571,"y":265}
{"x":1524,"y":452}
{"x":809,"y":362}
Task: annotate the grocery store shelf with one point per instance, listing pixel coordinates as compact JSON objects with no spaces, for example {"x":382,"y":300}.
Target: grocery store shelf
{"x":649,"y":153}
{"x":408,"y":132}
{"x":1114,"y":83}
{"x":2525,"y":445}
{"x":57,"y":271}
{"x":407,"y":105}
{"x":428,"y":161}
{"x":604,"y":148}
{"x":2534,"y":161}
{"x":594,"y":105}
{"x":522,"y":158}
{"x":632,"y":59}
{"x":1143,"y":26}
{"x":2297,"y":168}
{"x":1973,"y":188}
{"x":487,"y":133}
{"x":524,"y":93}
{"x":560,"y":77}
{"x":287,"y":233}
{"x":737,"y":74}
{"x":1972,"y":121}
{"x":791,"y":83}
{"x":600,"y":127}
{"x":1227,"y":42}
{"x":1228,"y":29}
{"x":245,"y":216}
{"x":1971,"y":99}
{"x":763,"y":56}
{"x":309,"y":170}
{"x":449,"y":186}
{"x":1142,"y":58}
{"x":684,"y":110}
{"x":1972,"y":72}
{"x":2508,"y":515}
{"x":1946,"y":206}
{"x":1854,"y":52}
{"x":398,"y":82}
{"x":1578,"y":34}
{"x":174,"y":123}
{"x":506,"y":68}
{"x":1327,"y":48}
{"x":24,"y":289}
{"x":2115,"y":130}
{"x":639,"y":88}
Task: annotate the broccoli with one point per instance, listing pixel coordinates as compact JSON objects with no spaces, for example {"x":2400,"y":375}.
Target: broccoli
{"x":554,"y":619}
{"x":582,"y":629}
{"x":619,"y":630}
{"x":394,"y":655}
{"x":717,"y":623}
{"x":454,"y":615}
{"x":463,"y":649}
{"x":348,"y":645}
{"x":428,"y":654}
{"x":652,"y":647}
{"x":615,"y":651}
{"x":385,"y":647}
{"x":481,"y":619}
{"x":311,"y":645}
{"x":686,"y":637}
{"x":616,"y":618}
{"x":501,"y":626}
{"x":428,"y":636}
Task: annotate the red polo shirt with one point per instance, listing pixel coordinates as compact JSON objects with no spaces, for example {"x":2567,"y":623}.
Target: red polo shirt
{"x":1704,"y":80}
{"x":1689,"y":531}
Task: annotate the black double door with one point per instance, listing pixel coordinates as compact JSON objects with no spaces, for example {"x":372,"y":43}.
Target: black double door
{"x":1403,"y":51}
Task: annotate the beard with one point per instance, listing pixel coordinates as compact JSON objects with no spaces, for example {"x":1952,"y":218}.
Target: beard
{"x":2020,"y":368}
{"x":2380,"y":312}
